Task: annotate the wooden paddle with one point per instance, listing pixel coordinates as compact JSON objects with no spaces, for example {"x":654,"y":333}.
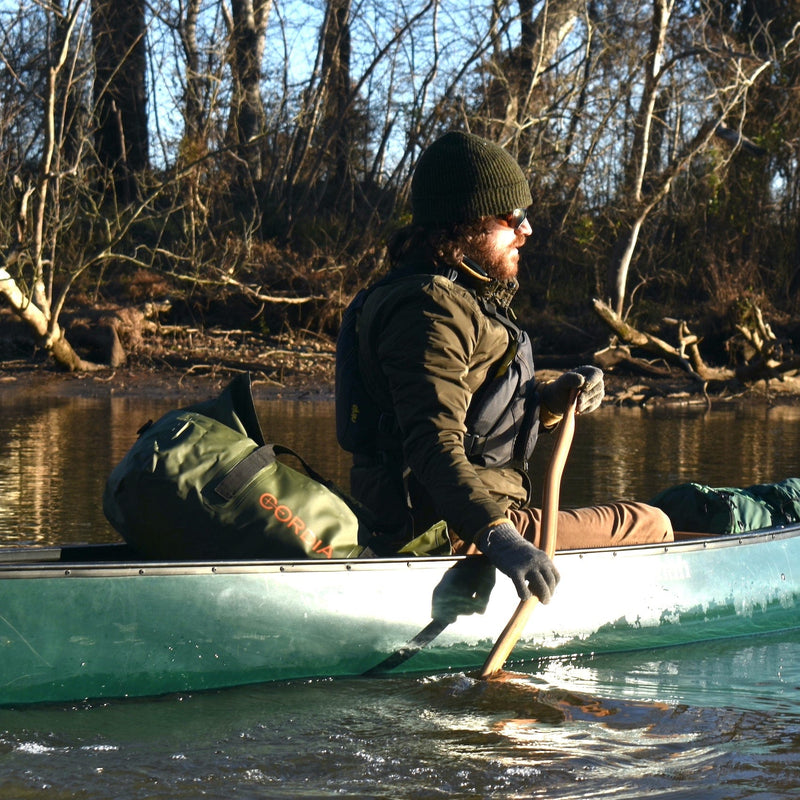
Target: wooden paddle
{"x":552,"y":485}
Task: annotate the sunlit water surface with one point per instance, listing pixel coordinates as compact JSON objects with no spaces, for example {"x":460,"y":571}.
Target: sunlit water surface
{"x":718,"y":720}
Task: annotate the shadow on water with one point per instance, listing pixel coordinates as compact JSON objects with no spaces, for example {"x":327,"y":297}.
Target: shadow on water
{"x":627,"y":725}
{"x":448,"y":736}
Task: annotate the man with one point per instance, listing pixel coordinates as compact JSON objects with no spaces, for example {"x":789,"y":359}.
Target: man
{"x":440,"y":407}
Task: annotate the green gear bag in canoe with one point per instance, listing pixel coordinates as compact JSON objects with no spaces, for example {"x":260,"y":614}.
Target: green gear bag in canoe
{"x":200,"y":483}
{"x":705,"y":509}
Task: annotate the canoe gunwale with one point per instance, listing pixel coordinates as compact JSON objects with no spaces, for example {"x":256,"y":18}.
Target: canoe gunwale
{"x":53,"y":562}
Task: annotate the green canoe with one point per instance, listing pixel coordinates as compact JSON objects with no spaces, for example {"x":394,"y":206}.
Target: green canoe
{"x":88,"y":622}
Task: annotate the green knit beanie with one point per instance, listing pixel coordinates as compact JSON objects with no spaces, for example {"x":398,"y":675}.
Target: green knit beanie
{"x":462,"y":177}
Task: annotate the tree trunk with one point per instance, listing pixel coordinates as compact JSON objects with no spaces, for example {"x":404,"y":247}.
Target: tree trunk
{"x":248,"y":26}
{"x":48,"y":332}
{"x":120,"y":96}
{"x":322,"y":141}
{"x":336,"y":134}
{"x":193,"y":109}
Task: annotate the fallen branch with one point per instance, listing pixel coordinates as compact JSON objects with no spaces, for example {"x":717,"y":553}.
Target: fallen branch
{"x":250,"y":291}
{"x":617,"y":354}
{"x":690,"y":362}
{"x":769,"y":357}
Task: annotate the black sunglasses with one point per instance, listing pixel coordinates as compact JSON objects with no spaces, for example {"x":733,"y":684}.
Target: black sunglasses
{"x":515,"y":218}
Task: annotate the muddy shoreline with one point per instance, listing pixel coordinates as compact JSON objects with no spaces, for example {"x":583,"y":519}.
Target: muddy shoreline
{"x":153,"y":383}
{"x":311,"y":377}
{"x":182,"y":362}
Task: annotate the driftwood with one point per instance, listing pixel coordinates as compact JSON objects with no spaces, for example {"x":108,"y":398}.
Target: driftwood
{"x":764,"y":356}
{"x":686,"y":355}
{"x":761,"y":371}
{"x":616,"y":355}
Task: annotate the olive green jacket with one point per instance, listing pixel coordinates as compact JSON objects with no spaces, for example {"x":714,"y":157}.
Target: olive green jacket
{"x":425,"y":347}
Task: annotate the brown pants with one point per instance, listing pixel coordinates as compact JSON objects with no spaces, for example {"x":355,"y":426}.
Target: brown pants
{"x":606,"y":525}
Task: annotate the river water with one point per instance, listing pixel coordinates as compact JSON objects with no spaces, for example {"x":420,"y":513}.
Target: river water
{"x":717,"y":720}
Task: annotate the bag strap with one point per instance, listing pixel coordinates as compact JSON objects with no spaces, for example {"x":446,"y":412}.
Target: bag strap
{"x":282,"y":450}
{"x":263,"y":457}
{"x":257,"y":460}
{"x":244,"y":471}
{"x":364,"y":515}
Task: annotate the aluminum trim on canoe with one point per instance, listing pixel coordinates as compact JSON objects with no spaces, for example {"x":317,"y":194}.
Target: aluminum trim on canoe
{"x":69,"y":569}
{"x":24,"y":563}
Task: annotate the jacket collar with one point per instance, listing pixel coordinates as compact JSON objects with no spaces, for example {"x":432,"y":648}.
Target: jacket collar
{"x":473,"y":276}
{"x":468,"y":274}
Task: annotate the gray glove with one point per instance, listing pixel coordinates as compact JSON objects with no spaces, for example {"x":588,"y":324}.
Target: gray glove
{"x":463,"y":589}
{"x":555,"y":396}
{"x":529,"y":568}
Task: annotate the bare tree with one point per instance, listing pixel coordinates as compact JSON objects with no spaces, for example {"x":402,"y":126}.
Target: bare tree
{"x":38,"y":307}
{"x":64,"y":225}
{"x":247,"y":26}
{"x":337,"y":102}
{"x":729,"y":75}
{"x":120,"y":99}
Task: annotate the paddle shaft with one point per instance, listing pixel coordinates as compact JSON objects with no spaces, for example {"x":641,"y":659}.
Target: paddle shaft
{"x":550,"y":494}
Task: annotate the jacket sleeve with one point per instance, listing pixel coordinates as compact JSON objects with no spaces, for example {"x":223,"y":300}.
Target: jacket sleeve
{"x":433,"y":349}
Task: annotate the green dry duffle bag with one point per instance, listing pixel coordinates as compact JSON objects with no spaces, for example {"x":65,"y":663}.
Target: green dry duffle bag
{"x":699,"y":508}
{"x":200,"y":483}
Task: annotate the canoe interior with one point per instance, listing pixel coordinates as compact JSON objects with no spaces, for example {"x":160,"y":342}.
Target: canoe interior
{"x":73,"y":553}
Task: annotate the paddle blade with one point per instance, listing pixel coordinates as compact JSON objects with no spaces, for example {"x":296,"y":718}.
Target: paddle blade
{"x":508,"y":638}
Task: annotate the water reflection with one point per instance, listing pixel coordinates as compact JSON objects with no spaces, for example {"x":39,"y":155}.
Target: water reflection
{"x":633,"y":453}
{"x":55,"y":455}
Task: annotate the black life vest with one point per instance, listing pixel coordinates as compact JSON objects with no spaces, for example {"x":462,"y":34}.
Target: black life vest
{"x":503,"y":416}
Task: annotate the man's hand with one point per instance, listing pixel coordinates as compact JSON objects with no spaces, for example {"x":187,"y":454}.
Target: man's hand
{"x":529,"y":568}
{"x":588,"y":380}
{"x":463,"y":589}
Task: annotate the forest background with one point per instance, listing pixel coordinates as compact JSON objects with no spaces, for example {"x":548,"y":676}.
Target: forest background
{"x":192,"y":181}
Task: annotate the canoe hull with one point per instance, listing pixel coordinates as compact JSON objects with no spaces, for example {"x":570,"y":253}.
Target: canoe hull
{"x":75,"y":630}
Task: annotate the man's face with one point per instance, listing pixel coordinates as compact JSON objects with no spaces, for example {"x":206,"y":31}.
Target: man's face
{"x":497,"y":251}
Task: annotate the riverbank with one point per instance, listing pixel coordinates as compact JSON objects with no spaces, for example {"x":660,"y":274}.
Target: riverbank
{"x":182,"y":362}
{"x":305,"y":371}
